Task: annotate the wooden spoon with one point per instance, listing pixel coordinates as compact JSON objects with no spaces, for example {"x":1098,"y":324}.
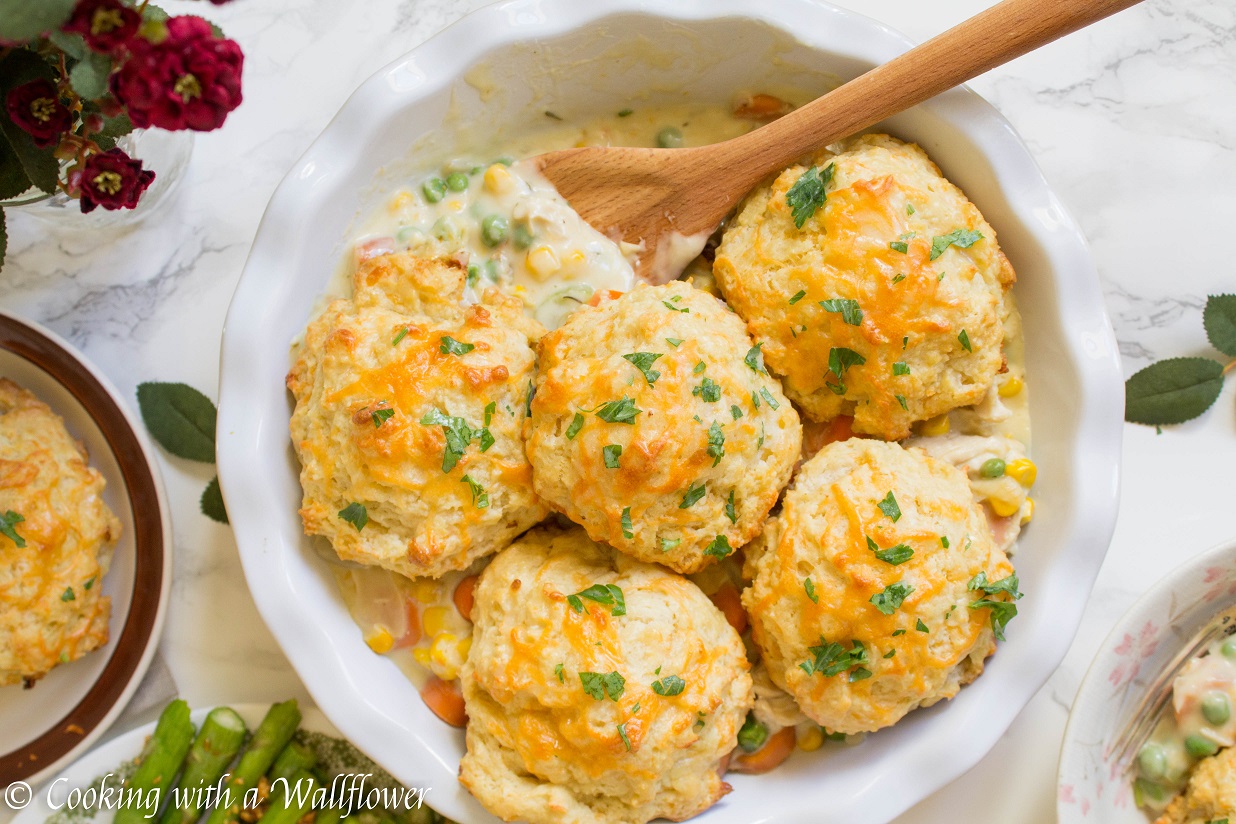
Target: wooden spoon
{"x":672,"y":199}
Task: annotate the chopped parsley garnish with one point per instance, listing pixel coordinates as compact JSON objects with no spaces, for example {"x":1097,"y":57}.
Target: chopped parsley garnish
{"x":731,"y":511}
{"x":619,"y":411}
{"x":558,"y":672}
{"x":809,"y":586}
{"x":643,"y":362}
{"x":693,"y":494}
{"x":755,"y":400}
{"x":897,"y":632}
{"x":944,"y":541}
{"x":920,"y":626}
{"x":450,"y":346}
{"x":759,"y":444}
{"x":833,"y":659}
{"x":719,"y":547}
{"x":961,"y":238}
{"x":964,"y":339}
{"x":531,"y":393}
{"x":894,"y":555}
{"x":669,"y":305}
{"x":898,"y":278}
{"x":901,"y":399}
{"x":68,"y":595}
{"x":808,"y":193}
{"x":626,"y":112}
{"x":860,"y":674}
{"x":699,"y":367}
{"x":480,"y":498}
{"x":669,"y":544}
{"x":458,"y":436}
{"x":628,"y":530}
{"x":891,"y":598}
{"x":611,"y":454}
{"x":889,"y":506}
{"x":622,"y":733}
{"x":607,"y":595}
{"x":355,"y":514}
{"x":599,"y":685}
{"x":901,"y":368}
{"x":89,"y":583}
{"x":381,"y":416}
{"x":849,"y":309}
{"x":577,"y":423}
{"x":1001,"y":613}
{"x":668,"y":686}
{"x":486,"y":439}
{"x":8,"y":521}
{"x":909,"y":208}
{"x":837,"y":388}
{"x":768,"y":398}
{"x":674,"y":342}
{"x":891,"y":653}
{"x":899,"y":246}
{"x":755,"y":359}
{"x":490,"y":409}
{"x":716,"y":443}
{"x":840,"y":359}
{"x":400,"y":335}
{"x":708,"y":391}
{"x":1006,"y":585}
{"x":799,"y":295}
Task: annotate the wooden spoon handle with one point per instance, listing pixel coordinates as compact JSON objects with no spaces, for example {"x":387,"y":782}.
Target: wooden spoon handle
{"x":989,"y":39}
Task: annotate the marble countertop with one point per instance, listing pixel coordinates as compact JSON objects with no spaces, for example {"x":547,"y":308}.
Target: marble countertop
{"x":1131,"y":121}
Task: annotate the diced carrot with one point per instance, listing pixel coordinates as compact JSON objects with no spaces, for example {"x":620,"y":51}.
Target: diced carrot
{"x":762,"y":107}
{"x":444,"y":698}
{"x":412,"y":633}
{"x":728,"y":601}
{"x":465,"y":594}
{"x":778,"y":748}
{"x":603,"y":295}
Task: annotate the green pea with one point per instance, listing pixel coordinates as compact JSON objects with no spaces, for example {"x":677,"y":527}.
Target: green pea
{"x":992,"y":468}
{"x":521,"y":235}
{"x":669,"y":138}
{"x":494,"y":229}
{"x":1200,"y":747}
{"x":474,"y":274}
{"x":434,"y":189}
{"x":1144,"y":791}
{"x":1229,"y":648}
{"x":445,"y":229}
{"x":407,"y":234}
{"x":1152,"y":761}
{"x":457,"y":182}
{"x":753,"y":734}
{"x":1216,"y":708}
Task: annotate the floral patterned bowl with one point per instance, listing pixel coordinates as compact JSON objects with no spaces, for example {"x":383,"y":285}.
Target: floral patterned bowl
{"x":1156,"y":628}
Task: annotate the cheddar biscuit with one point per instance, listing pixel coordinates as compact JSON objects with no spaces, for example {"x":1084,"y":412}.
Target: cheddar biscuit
{"x":868,"y":589}
{"x":657,"y":428}
{"x":886,"y":304}
{"x":598,"y":688}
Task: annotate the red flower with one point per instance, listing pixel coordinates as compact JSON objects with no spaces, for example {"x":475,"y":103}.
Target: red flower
{"x":113,"y":180}
{"x":106,"y":25}
{"x":188,"y":80}
{"x":36,"y":108}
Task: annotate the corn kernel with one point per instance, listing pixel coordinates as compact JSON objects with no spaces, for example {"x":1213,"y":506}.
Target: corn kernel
{"x":424,"y":591}
{"x":542,"y":261}
{"x":1011,"y":387}
{"x":456,"y":205}
{"x":1027,"y":514}
{"x":380,"y":641}
{"x":434,"y":620}
{"x":934,"y":426}
{"x":498,"y":180}
{"x":444,"y":655}
{"x":1003,"y":507}
{"x":811,"y":740}
{"x":577,"y":257}
{"x":400,"y":200}
{"x":1023,"y":471}
{"x":421,"y":655}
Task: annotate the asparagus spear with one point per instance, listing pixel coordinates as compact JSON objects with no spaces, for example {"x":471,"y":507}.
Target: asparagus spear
{"x":290,"y":802}
{"x":271,"y":736}
{"x":220,"y":738}
{"x":160,"y":762}
{"x":291,"y":760}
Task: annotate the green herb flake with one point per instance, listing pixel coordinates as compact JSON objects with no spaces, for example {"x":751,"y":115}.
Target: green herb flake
{"x":859,"y":674}
{"x":719,"y":547}
{"x":894,"y":555}
{"x":899,"y":246}
{"x":901,"y":400}
{"x":1001,"y":613}
{"x":890,"y":653}
{"x":897,"y":632}
{"x":961,"y":238}
{"x":755,"y":359}
{"x":611,"y":454}
{"x":8,"y":521}
{"x":768,"y":398}
{"x":643,"y":362}
{"x":708,"y":391}
{"x":356,"y":514}
{"x":755,"y":400}
{"x":458,"y":436}
{"x":944,"y":541}
{"x":682,"y":309}
{"x":669,"y":686}
{"x":450,"y":346}
{"x":670,"y":544}
{"x":699,"y":367}
{"x":920,"y":626}
{"x":910,"y":208}
{"x":577,"y":423}
{"x":809,"y":586}
{"x":674,"y":342}
{"x":889,"y":507}
{"x":731,"y":511}
{"x":68,"y":595}
{"x":849,"y":310}
{"x":89,"y":583}
{"x":490,"y":409}
{"x":840,"y":359}
{"x":833,"y":659}
{"x":628,"y":529}
{"x":619,"y":411}
{"x":735,"y":412}
{"x":381,"y":416}
{"x":599,"y":685}
{"x":716,"y":443}
{"x":901,"y":368}
{"x":799,"y":295}
{"x":809,"y":193}
{"x":480,"y":498}
{"x":890,"y":600}
{"x":607,"y":595}
{"x":964,"y":339}
{"x":898,"y":278}
{"x":403,"y":333}
{"x":558,"y":672}
{"x":626,"y":112}
{"x":693,"y":494}
{"x":1008,"y":586}
{"x":622,"y":733}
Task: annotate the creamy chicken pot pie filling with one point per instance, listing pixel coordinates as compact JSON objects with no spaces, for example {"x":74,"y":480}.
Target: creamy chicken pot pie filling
{"x":494,"y":231}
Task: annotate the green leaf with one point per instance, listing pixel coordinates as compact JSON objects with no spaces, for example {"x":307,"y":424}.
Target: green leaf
{"x":357,"y":514}
{"x":89,"y":76}
{"x":40,"y":166}
{"x":577,"y":423}
{"x":808,"y":193}
{"x":841,"y":358}
{"x":619,"y":411}
{"x":22,"y":20}
{"x":1172,"y":391}
{"x":74,"y":45}
{"x":607,"y":595}
{"x":8,"y":521}
{"x":693,"y":494}
{"x":212,"y":502}
{"x":599,"y":685}
{"x":669,"y":686}
{"x":180,"y":418}
{"x":13,"y":178}
{"x":612,"y":453}
{"x":755,"y":359}
{"x":961,"y":238}
{"x":155,"y":14}
{"x":1220,"y":321}
{"x":643,"y":362}
{"x":889,"y":507}
{"x":849,"y":309}
{"x":450,"y":346}
{"x":890,"y":600}
{"x":719,"y":547}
